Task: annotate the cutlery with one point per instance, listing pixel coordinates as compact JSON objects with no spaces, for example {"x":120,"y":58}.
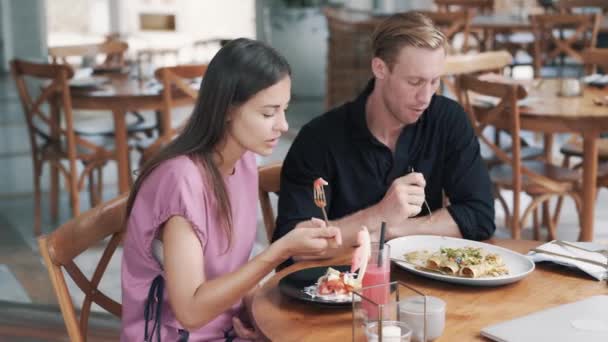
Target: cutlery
{"x":593,"y":262}
{"x":603,"y":252}
{"x":319,"y":197}
{"x":425,"y":202}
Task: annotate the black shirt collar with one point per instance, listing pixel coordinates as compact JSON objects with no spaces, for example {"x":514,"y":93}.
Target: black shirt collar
{"x":356,"y":114}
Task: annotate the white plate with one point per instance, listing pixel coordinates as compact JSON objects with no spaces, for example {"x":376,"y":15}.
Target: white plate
{"x":519,"y":265}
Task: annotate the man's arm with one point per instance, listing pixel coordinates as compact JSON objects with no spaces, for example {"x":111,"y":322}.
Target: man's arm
{"x":467,"y":183}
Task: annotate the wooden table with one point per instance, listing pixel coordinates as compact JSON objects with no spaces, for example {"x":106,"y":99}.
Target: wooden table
{"x":550,"y":113}
{"x":121,"y":95}
{"x":469,"y":309}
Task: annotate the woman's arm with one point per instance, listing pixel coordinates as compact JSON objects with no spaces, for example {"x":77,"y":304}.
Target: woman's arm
{"x":196,"y":300}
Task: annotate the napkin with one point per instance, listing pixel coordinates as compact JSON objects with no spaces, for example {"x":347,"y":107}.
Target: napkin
{"x":597,"y":272}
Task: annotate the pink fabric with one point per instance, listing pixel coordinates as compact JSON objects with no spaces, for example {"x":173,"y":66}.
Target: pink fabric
{"x":176,"y":188}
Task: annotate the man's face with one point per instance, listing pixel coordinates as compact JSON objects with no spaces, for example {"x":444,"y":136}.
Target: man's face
{"x":407,"y":89}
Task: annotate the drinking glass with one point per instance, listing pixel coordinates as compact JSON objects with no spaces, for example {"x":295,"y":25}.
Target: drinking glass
{"x":379,"y":318}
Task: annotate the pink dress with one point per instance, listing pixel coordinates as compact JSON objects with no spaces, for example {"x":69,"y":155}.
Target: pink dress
{"x":176,"y":188}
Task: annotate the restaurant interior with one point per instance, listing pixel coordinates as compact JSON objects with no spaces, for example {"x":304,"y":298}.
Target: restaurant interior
{"x":128,"y":72}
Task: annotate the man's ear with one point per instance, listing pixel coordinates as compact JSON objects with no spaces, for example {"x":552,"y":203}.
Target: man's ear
{"x":379,"y":68}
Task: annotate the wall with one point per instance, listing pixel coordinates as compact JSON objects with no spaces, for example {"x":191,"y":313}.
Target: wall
{"x":23,"y":30}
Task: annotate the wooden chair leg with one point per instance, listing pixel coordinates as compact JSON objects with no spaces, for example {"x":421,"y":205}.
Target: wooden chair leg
{"x":37,"y":199}
{"x":74,"y":194}
{"x":54,"y":192}
{"x":536,"y":225}
{"x":560,"y":199}
{"x":551,"y":228}
{"x":99,"y":184}
{"x":92,"y":189}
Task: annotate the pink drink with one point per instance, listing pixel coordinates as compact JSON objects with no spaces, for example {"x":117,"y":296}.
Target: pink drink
{"x":376,"y":275}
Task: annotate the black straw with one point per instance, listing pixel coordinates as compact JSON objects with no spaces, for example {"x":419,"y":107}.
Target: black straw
{"x":381,"y":247}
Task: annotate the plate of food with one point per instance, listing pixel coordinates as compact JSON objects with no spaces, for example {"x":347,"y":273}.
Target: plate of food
{"x":459,"y":261}
{"x":333,"y":285}
{"x":330,"y":286}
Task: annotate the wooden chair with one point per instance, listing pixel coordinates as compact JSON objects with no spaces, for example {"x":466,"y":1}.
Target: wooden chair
{"x":537,"y":178}
{"x":269,"y":182}
{"x":180,"y":88}
{"x":548,"y":45}
{"x":573,"y":148}
{"x":52,"y":137}
{"x":473,"y":7}
{"x":452,"y":24}
{"x":483,"y":62}
{"x":105,"y":222}
{"x":113,"y":52}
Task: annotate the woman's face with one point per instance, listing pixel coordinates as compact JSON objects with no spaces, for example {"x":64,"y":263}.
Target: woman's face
{"x":258,"y":124}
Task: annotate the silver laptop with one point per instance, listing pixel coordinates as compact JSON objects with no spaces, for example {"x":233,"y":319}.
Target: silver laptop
{"x":585,"y":320}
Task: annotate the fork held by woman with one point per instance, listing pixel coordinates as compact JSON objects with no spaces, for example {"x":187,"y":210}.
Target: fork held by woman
{"x":319,"y":196}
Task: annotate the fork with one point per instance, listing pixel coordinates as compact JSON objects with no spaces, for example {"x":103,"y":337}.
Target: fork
{"x":603,"y":252}
{"x":319,"y":198}
{"x":425,"y":202}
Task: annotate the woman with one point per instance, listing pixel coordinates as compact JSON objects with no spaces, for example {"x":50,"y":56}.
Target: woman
{"x":192,"y":211}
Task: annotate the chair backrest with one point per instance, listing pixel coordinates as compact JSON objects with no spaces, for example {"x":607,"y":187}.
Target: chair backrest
{"x":491,"y":61}
{"x":451,"y":23}
{"x":47,"y":106}
{"x":596,"y":57}
{"x":494,"y":103}
{"x":572,"y":6}
{"x":114,"y":51}
{"x":551,"y":40}
{"x":180,"y":88}
{"x":269,"y":182}
{"x":61,"y":247}
{"x":479,"y":6}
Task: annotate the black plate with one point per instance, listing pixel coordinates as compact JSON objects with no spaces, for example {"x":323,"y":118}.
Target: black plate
{"x":293,"y":285}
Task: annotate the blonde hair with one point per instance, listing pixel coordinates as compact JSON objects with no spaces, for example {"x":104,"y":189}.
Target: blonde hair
{"x":405,"y":29}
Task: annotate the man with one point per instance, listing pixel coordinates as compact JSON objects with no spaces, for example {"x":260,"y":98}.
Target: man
{"x":391,"y":148}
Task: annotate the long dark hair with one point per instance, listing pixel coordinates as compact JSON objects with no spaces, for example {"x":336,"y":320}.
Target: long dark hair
{"x":239,"y":70}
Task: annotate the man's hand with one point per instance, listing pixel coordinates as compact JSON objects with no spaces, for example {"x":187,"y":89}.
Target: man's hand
{"x":403,"y":199}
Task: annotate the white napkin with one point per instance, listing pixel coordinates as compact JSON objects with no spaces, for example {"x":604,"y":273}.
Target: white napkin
{"x":597,"y":272}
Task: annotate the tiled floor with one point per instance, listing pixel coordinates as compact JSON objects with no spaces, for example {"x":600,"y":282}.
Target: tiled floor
{"x":22,"y":275}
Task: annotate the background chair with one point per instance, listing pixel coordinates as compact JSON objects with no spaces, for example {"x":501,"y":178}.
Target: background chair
{"x":562,"y":35}
{"x":476,"y":64}
{"x":573,"y":148}
{"x":537,"y":178}
{"x":269,"y":182}
{"x":61,"y":247}
{"x":180,"y":86}
{"x":455,"y":26}
{"x":50,"y":123}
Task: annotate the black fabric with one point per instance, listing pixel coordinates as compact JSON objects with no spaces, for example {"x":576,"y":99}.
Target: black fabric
{"x":153,"y":311}
{"x":339,"y":147}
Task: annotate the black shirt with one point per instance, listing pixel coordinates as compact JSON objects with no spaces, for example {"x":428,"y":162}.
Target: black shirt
{"x":339,"y":147}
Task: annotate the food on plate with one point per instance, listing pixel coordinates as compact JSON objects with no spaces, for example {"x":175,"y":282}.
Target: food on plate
{"x":468,"y":262}
{"x":334,"y":282}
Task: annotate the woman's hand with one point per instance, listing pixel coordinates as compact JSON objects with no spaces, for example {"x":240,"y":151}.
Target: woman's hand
{"x":243,"y":331}
{"x":311,"y":238}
